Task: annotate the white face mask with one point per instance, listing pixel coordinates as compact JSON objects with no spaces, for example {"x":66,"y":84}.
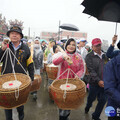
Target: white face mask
{"x":36,"y":46}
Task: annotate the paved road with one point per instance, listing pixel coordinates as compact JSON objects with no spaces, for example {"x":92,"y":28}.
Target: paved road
{"x":45,"y":109}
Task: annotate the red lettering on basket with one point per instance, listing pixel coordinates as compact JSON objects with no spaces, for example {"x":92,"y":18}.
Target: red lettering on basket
{"x":7,"y":104}
{"x":55,"y":70}
{"x":54,"y":94}
{"x":55,"y":97}
{"x":4,"y":97}
{"x":4,"y":103}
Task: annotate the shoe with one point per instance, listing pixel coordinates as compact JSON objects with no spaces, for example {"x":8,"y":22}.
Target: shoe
{"x":96,"y":119}
{"x":34,"y":97}
{"x":86,"y":110}
{"x":63,"y":118}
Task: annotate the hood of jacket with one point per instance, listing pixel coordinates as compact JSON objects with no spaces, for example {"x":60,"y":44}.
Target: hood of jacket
{"x":68,"y":42}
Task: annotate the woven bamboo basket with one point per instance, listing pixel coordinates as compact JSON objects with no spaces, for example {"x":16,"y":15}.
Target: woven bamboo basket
{"x":36,"y":83}
{"x":52,"y":72}
{"x":50,"y":93}
{"x":8,"y":99}
{"x":45,"y":64}
{"x":74,"y":98}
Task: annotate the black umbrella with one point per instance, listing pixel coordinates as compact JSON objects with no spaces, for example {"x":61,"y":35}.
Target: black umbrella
{"x":106,"y":10}
{"x":70,"y":27}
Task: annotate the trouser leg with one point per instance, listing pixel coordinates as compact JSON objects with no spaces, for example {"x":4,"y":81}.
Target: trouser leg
{"x":102,"y":98}
{"x":8,"y":114}
{"x":20,"y":112}
{"x":91,"y":96}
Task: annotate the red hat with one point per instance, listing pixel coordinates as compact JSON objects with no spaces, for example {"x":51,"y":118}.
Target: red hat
{"x":96,"y":41}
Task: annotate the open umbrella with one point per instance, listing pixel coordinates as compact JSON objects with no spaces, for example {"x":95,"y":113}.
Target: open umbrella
{"x":70,"y":27}
{"x":106,"y":10}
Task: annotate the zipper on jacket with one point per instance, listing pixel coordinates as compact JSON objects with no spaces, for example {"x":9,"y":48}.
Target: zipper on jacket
{"x":14,"y":58}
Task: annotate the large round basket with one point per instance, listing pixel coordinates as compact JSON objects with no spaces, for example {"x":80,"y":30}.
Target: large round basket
{"x":73,"y":99}
{"x":36,"y":83}
{"x":50,"y":93}
{"x":45,"y":64}
{"x":52,"y":71}
{"x":12,"y":98}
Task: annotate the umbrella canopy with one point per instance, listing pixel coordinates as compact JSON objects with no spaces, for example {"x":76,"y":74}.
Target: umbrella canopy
{"x":70,"y":27}
{"x":106,"y":10}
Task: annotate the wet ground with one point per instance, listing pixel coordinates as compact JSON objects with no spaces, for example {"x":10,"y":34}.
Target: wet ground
{"x":45,"y":109}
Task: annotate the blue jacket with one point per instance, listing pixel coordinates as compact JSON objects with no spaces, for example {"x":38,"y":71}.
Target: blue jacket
{"x":111,"y":53}
{"x":111,"y":79}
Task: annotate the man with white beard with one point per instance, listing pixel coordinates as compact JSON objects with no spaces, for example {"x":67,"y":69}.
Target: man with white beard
{"x":38,"y":62}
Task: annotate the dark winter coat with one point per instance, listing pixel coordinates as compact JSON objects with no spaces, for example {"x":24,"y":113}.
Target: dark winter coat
{"x":95,"y":67}
{"x":111,"y":53}
{"x":112,"y":81}
{"x":24,"y":57}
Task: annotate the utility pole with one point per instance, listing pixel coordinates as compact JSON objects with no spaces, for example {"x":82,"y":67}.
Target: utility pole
{"x":29,"y":32}
{"x":34,"y":35}
{"x":59,"y":31}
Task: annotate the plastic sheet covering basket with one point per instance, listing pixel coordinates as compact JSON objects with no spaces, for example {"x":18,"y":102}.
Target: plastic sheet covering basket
{"x":52,"y":71}
{"x":71,"y":99}
{"x":36,"y":83}
{"x":12,"y":98}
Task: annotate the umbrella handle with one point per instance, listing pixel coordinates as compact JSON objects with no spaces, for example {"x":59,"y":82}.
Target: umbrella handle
{"x":116,"y":29}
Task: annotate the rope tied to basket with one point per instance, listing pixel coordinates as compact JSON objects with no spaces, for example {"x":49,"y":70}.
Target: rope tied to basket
{"x":8,"y":51}
{"x":68,"y":73}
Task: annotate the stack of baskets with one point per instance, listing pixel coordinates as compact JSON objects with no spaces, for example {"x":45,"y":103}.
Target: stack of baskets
{"x":8,"y":99}
{"x":52,"y":71}
{"x":74,"y":98}
{"x":36,"y":83}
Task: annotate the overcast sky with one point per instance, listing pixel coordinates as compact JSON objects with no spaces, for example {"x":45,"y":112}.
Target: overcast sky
{"x":44,"y":15}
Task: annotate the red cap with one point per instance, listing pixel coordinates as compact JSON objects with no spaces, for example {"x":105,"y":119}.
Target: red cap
{"x":96,"y":41}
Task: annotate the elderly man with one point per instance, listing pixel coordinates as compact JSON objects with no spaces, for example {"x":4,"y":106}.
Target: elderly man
{"x":22,"y":53}
{"x":95,"y":61}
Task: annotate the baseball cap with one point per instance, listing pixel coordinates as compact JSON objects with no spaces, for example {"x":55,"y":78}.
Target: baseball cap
{"x":96,"y":41}
{"x":83,"y":40}
{"x":30,"y":40}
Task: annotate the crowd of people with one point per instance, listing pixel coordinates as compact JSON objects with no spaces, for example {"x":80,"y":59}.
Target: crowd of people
{"x":102,"y":76}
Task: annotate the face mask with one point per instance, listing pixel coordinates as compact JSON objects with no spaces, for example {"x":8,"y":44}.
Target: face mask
{"x":36,"y":46}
